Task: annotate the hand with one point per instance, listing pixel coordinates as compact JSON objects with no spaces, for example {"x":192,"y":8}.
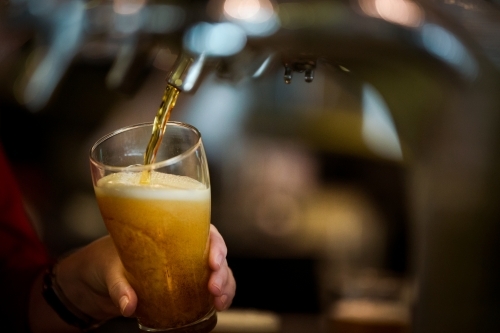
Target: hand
{"x":93,"y":279}
{"x":221,"y":284}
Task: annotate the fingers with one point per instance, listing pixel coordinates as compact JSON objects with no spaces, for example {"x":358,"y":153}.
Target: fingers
{"x":109,"y":290}
{"x":120,"y":291}
{"x":218,"y":249}
{"x":93,"y":279}
{"x":222,"y":284}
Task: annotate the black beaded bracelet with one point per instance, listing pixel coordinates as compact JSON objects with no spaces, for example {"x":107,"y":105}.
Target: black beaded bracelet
{"x":55,"y":297}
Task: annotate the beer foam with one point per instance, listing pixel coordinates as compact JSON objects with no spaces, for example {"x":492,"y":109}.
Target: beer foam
{"x":162,"y":186}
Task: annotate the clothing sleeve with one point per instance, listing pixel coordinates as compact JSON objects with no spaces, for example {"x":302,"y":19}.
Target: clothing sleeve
{"x":22,"y":254}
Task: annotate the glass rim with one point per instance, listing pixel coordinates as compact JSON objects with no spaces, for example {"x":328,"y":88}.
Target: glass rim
{"x":142,"y":167}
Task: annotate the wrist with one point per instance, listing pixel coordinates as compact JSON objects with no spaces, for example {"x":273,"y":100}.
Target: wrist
{"x":59,"y":302}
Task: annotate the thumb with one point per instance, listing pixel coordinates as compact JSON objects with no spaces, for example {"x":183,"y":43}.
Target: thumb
{"x":121,"y":293}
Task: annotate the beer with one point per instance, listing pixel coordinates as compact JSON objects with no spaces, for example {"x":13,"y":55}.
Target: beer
{"x":158,"y":220}
{"x":161,"y":232}
{"x":159,"y":125}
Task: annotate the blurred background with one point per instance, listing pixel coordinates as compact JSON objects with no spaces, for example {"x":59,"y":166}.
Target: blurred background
{"x":326,"y":208}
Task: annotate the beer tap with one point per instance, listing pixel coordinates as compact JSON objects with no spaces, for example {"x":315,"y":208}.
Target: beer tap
{"x":59,"y":26}
{"x":62,"y":31}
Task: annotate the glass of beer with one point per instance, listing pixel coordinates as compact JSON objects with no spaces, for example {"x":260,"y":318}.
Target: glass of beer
{"x":158,"y":216}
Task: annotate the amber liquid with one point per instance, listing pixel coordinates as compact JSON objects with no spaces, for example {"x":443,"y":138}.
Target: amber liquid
{"x":159,"y":125}
{"x":162,"y":237}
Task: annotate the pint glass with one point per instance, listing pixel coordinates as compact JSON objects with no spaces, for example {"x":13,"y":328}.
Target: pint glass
{"x":161,"y":227}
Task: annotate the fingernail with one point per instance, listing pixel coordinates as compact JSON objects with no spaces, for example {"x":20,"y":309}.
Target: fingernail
{"x":123,"y":304}
{"x":220,"y":259}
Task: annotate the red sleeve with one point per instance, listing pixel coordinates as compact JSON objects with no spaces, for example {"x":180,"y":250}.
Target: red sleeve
{"x":22,"y":255}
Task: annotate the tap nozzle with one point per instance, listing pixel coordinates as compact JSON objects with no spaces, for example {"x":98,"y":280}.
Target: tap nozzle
{"x":300,"y":66}
{"x":288,"y":74}
{"x":186,"y":71}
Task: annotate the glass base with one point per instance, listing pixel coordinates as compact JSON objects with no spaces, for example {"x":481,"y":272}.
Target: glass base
{"x":203,"y":325}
